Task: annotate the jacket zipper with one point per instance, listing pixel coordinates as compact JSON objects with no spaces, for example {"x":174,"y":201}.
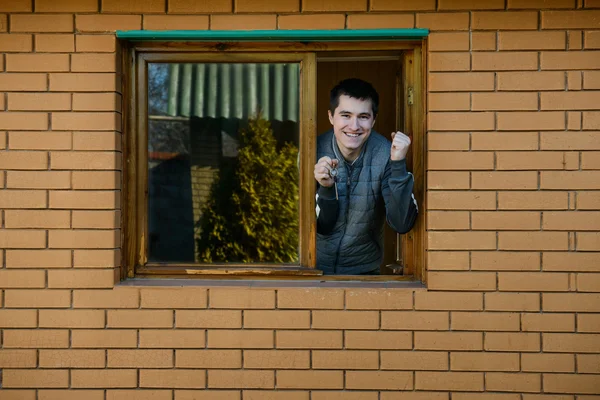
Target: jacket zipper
{"x":349,"y":168}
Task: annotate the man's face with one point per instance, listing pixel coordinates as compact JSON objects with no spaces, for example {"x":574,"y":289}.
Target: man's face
{"x":352,"y":123}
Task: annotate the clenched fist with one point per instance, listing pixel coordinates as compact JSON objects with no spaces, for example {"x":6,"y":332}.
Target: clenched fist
{"x":323,"y":169}
{"x":400,"y":145}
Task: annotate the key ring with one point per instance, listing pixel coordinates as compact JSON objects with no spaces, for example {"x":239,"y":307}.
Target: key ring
{"x":333,"y":172}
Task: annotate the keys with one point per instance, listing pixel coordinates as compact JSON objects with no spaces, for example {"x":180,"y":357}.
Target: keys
{"x":334,"y":174}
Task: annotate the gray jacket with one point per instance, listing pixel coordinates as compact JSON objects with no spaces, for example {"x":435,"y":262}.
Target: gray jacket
{"x":370,"y":190}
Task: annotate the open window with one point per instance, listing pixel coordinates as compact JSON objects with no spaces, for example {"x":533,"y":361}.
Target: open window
{"x":220,"y":147}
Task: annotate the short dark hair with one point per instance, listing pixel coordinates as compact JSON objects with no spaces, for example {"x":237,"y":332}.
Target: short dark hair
{"x":356,"y":88}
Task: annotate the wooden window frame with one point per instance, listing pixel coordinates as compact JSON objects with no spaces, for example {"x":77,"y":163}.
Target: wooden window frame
{"x":411,"y":119}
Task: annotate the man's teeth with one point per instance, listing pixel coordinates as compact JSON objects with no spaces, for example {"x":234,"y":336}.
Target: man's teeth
{"x":352,"y":134}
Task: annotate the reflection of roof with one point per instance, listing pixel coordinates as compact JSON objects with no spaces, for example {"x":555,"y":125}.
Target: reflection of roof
{"x":164,"y":155}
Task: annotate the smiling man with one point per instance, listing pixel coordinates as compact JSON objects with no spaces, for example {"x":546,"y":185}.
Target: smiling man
{"x":362,"y":182}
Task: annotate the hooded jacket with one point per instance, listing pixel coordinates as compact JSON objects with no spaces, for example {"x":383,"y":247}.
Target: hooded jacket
{"x":371,"y":189}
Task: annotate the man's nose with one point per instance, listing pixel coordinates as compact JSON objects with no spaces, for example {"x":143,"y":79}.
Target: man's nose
{"x":354,"y":123}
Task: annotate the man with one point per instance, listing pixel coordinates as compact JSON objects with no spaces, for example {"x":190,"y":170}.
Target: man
{"x":362,"y":181}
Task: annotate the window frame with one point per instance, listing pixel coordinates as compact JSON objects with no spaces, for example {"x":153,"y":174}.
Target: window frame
{"x":411,"y":118}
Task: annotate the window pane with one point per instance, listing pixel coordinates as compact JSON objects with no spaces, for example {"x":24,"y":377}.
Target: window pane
{"x":223,"y":162}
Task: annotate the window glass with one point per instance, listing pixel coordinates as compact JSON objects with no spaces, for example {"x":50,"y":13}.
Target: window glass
{"x":223,"y":143}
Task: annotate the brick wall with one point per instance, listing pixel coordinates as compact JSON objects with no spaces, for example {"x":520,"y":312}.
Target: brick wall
{"x":512,"y":306}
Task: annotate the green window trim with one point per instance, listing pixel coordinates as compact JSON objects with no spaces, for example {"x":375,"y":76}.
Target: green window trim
{"x":278,"y":35}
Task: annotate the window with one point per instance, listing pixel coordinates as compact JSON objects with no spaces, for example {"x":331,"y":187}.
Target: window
{"x":220,"y":148}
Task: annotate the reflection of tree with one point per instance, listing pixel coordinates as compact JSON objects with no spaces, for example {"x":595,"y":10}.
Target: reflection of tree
{"x":252,"y":212}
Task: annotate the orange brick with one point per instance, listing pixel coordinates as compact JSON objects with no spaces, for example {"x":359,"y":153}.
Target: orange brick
{"x":239,"y":339}
{"x":81,"y":238}
{"x":87,"y":160}
{"x":541,"y":40}
{"x":592,"y":39}
{"x":590,"y":160}
{"x":504,"y":101}
{"x":478,"y":281}
{"x":107,"y":22}
{"x":37,"y":298}
{"x":570,"y":19}
{"x":531,"y":121}
{"x":116,"y":298}
{"x":451,"y":41}
{"x":104,"y":338}
{"x":385,"y":380}
{"x":39,"y":180}
{"x":72,"y":359}
{"x":570,"y":100}
{"x":508,"y":341}
{"x":448,"y":180}
{"x":504,"y":61}
{"x":139,"y":395}
{"x":16,"y":5}
{"x":93,"y":62}
{"x":309,"y":298}
{"x":519,"y":180}
{"x":36,"y":338}
{"x":192,"y":379}
{"x":382,"y":299}
{"x":450,"y":61}
{"x":241,"y":379}
{"x":462,"y":240}
{"x":470,"y":5}
{"x":314,"y":21}
{"x":37,"y":218}
{"x":55,"y":43}
{"x":587,"y":363}
{"x":345,"y":359}
{"x":570,"y":60}
{"x":414,"y":360}
{"x":242,"y":298}
{"x":277,"y":319}
{"x":18,"y":358}
{"x":374,"y":21}
{"x":448,"y":260}
{"x":461,"y":121}
{"x":22,"y":378}
{"x":441,"y":160}
{"x":37,"y":62}
{"x":484,"y":361}
{"x":574,"y":82}
{"x":208,"y":319}
{"x":91,"y":121}
{"x":571,"y":383}
{"x":96,"y":141}
{"x":534,"y":4}
{"x":449,"y":102}
{"x":104,"y":378}
{"x":3,"y":23}
{"x":22,"y":199}
{"x":175,"y":22}
{"x":449,"y":341}
{"x":443,"y":21}
{"x":570,"y":343}
{"x":59,"y":394}
{"x":448,"y":220}
{"x":65,"y":6}
{"x":459,"y":381}
{"x":22,"y":238}
{"x":505,"y":260}
{"x":96,"y":101}
{"x":38,"y":258}
{"x":533,"y":241}
{"x":591,"y":120}
{"x":84,"y":200}
{"x":498,"y":220}
{"x":39,"y":101}
{"x":448,"y":301}
{"x":244,"y":22}
{"x":169,"y":339}
{"x":192,"y":7}
{"x":24,"y":121}
{"x":461,"y":81}
{"x":487,"y":396}
{"x":43,"y":23}
{"x":71,"y":319}
{"x":504,"y":141}
{"x":208,"y":358}
{"x":574,"y":40}
{"x":216,"y":394}
{"x":485,"y":321}
{"x":533,"y":200}
{"x":511,"y":20}
{"x":335,"y":5}
{"x":529,"y":160}
{"x":309,"y":339}
{"x":173,"y":298}
{"x":571,"y":221}
{"x":15,"y":43}
{"x":29,"y":160}
{"x":39,"y":140}
{"x":140,"y":358}
{"x":96,"y":258}
{"x":96,"y":219}
{"x":571,"y":262}
{"x":516,"y":382}
{"x":133,"y":6}
{"x":286,"y":395}
{"x":17,"y":319}
{"x":103,"y":43}
{"x":96,"y":180}
{"x":576,"y":302}
{"x":543,"y":80}
{"x":345,"y":320}
{"x":140,"y":319}
{"x":548,"y":322}
{"x":415,"y":320}
{"x":572,"y":162}
{"x":481,"y":41}
{"x":570,"y":180}
{"x":588,"y":282}
{"x":377,"y":340}
{"x":548,"y":362}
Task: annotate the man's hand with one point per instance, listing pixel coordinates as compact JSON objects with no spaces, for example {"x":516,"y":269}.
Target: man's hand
{"x":322,"y":171}
{"x":400,"y":145}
